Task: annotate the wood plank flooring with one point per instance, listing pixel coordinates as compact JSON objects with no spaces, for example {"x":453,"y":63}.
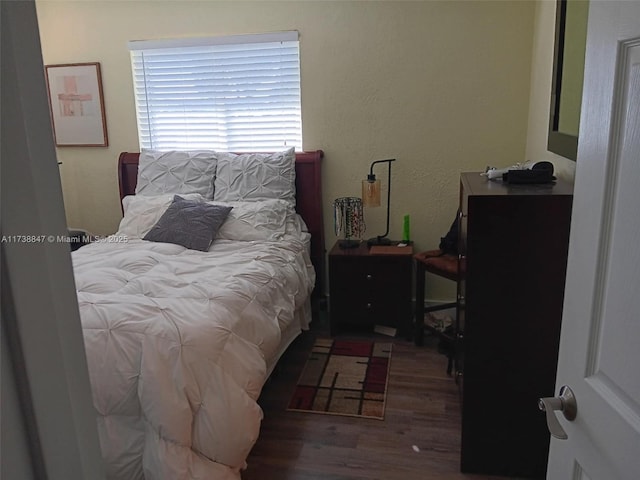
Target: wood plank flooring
{"x":423,"y":410}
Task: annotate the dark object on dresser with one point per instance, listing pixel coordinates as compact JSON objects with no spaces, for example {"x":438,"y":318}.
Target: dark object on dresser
{"x":525,"y":177}
{"x":513,"y":254}
{"x":369,"y":289}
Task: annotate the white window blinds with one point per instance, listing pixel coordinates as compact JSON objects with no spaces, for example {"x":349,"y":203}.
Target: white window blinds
{"x":235,"y":93}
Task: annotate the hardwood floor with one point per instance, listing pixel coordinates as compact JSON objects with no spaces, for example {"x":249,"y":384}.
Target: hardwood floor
{"x":422,"y":410}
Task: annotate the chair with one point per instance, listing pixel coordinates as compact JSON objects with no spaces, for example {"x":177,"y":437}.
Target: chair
{"x":444,"y":265}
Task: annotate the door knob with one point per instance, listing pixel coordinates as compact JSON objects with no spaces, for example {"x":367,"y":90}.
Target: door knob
{"x":566,"y":403}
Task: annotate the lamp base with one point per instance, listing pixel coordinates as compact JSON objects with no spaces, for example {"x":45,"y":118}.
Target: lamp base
{"x":349,"y":243}
{"x":378,"y":241}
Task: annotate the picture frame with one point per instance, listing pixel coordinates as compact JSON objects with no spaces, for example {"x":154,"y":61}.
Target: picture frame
{"x":76,"y":104}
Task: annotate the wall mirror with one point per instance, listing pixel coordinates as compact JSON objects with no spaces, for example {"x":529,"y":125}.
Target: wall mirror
{"x":568,"y":74}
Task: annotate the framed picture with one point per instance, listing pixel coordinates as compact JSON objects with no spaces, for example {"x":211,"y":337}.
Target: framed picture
{"x":77,"y":105}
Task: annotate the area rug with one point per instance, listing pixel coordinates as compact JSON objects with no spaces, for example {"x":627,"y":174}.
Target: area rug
{"x":344,"y":377}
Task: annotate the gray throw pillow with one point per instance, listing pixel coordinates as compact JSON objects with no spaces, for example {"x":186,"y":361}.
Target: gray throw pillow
{"x":191,"y":224}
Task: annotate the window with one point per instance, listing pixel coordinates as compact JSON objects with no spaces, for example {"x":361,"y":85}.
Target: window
{"x":235,"y":93}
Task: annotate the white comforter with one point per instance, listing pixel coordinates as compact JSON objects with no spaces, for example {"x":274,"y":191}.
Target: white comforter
{"x":177,"y":343}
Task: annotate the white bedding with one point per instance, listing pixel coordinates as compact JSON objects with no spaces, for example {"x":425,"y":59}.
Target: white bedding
{"x":179,"y":344}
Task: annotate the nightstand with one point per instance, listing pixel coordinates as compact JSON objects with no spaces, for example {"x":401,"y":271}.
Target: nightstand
{"x":370,"y":287}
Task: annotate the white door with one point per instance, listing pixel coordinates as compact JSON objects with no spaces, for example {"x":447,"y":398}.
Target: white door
{"x":600,"y":342}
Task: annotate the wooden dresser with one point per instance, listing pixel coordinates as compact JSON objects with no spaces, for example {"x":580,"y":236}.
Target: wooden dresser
{"x":513,"y":243}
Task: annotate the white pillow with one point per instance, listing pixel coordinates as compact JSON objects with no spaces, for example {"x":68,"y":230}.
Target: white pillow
{"x":259,"y":220}
{"x":142,"y":212}
{"x":256,"y":176}
{"x":176,"y":172}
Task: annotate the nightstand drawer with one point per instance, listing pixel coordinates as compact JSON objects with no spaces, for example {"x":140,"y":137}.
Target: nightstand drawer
{"x":361,"y":308}
{"x":377,"y":276}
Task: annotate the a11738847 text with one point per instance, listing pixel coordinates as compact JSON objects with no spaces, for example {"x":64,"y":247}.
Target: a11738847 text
{"x":63,"y":239}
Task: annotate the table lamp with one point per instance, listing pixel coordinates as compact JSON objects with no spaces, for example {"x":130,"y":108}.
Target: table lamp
{"x":371,"y":198}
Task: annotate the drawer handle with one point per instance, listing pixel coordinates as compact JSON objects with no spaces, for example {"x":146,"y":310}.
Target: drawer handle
{"x":369,"y":306}
{"x":369,"y":276}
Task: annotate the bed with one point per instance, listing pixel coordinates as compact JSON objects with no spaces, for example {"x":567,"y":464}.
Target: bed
{"x":180,"y":339}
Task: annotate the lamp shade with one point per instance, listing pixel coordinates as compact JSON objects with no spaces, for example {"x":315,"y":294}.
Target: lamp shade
{"x":371,"y":193}
{"x":371,"y":198}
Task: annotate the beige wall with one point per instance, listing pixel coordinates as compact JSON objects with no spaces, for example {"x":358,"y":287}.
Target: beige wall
{"x":540,"y":103}
{"x":441,"y":86}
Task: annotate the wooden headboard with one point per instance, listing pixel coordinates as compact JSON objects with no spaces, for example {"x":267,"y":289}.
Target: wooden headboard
{"x":308,"y":199}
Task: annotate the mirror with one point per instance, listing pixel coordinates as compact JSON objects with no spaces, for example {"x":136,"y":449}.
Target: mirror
{"x":568,"y":74}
